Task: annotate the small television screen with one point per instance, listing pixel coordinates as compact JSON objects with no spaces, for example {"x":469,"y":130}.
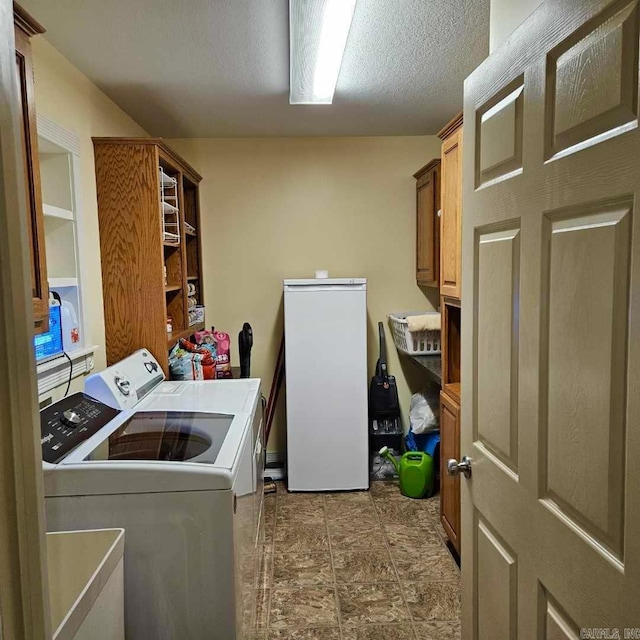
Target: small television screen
{"x":49,"y":345}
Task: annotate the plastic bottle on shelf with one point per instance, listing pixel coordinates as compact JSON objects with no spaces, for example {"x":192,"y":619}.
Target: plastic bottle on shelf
{"x":70,"y":327}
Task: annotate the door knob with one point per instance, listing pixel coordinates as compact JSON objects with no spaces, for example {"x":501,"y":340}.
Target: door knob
{"x":455,"y":468}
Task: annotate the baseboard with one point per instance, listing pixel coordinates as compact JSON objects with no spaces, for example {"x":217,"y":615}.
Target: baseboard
{"x":276,"y":468}
{"x":276,"y":458}
{"x":275,"y":473}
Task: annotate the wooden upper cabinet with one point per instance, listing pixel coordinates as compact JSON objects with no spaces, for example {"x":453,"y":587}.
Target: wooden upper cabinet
{"x":25,"y":28}
{"x":428,"y":225}
{"x":451,"y":206}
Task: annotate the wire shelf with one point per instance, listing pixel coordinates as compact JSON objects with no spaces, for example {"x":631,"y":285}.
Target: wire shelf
{"x":169,"y":210}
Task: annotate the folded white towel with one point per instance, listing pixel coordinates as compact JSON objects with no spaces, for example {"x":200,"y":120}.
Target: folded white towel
{"x":426,"y":322}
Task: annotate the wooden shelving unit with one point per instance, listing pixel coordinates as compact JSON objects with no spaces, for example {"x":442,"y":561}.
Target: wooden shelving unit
{"x":450,"y":304}
{"x":451,"y":339}
{"x":150,"y":257}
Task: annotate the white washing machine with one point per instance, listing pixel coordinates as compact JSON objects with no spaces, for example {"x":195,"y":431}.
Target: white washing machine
{"x":179,"y":466}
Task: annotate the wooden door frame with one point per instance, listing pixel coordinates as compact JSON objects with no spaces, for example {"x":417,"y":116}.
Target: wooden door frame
{"x":24,"y":602}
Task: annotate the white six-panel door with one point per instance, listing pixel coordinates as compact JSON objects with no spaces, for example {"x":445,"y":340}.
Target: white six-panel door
{"x":551,"y":328}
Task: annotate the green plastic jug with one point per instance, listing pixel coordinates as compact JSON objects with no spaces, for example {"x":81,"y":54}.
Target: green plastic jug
{"x":416,"y":471}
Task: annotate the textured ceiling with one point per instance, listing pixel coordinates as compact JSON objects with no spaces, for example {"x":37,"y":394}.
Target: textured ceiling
{"x":209,"y":68}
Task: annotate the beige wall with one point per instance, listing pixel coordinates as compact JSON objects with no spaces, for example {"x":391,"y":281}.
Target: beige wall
{"x":272,"y":208}
{"x":69,"y":98}
{"x":506,"y":16}
{"x":281,"y":208}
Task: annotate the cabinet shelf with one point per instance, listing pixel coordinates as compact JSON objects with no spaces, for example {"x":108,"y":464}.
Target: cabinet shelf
{"x":57,"y":283}
{"x":451,"y":341}
{"x":166,"y":180}
{"x":174,"y":336}
{"x":172,"y":287}
{"x":432,"y":365}
{"x":192,"y":278}
{"x":189,"y":229}
{"x":169,"y":208}
{"x":57,"y":212}
{"x":170,"y":239}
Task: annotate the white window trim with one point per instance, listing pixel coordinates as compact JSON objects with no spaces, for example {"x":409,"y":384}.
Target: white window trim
{"x":53,"y":373}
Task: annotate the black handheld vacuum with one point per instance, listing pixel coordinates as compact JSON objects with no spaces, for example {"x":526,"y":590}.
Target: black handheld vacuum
{"x":245,"y":342}
{"x":384,"y":406}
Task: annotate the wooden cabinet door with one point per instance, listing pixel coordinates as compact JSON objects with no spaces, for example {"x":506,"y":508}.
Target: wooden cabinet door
{"x":35,"y":218}
{"x":449,"y":486}
{"x":451,"y":220}
{"x":428,"y":226}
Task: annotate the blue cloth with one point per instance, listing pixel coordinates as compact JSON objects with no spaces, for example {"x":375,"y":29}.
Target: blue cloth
{"x":431,"y":442}
{"x":427,"y":442}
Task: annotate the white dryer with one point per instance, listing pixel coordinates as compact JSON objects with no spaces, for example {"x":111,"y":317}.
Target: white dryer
{"x":179,"y":466}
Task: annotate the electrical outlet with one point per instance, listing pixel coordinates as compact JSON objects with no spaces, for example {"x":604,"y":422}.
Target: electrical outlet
{"x":90,"y":363}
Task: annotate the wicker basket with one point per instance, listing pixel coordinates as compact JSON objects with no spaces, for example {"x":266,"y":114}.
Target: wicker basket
{"x":420,"y":343}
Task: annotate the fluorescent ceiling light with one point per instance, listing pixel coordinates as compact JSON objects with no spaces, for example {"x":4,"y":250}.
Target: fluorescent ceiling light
{"x":318,"y":32}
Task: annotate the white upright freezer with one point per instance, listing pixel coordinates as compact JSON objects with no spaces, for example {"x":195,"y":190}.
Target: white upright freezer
{"x":325,"y":325}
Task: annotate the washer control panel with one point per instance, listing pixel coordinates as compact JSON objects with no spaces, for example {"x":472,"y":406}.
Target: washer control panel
{"x":124,"y":384}
{"x":66,"y":424}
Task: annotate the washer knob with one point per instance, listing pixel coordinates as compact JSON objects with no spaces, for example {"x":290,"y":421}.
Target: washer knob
{"x":71,"y":419}
{"x":123,"y":385}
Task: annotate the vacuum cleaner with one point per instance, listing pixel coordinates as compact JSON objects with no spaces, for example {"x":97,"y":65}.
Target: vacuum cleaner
{"x":384,"y":406}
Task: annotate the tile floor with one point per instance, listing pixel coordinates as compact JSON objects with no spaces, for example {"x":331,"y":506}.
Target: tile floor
{"x":356,"y":566}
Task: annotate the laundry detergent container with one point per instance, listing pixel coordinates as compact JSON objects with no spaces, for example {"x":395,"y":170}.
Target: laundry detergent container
{"x":417,"y":474}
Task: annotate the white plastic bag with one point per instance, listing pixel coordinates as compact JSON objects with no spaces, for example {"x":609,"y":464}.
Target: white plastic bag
{"x":421,"y":414}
